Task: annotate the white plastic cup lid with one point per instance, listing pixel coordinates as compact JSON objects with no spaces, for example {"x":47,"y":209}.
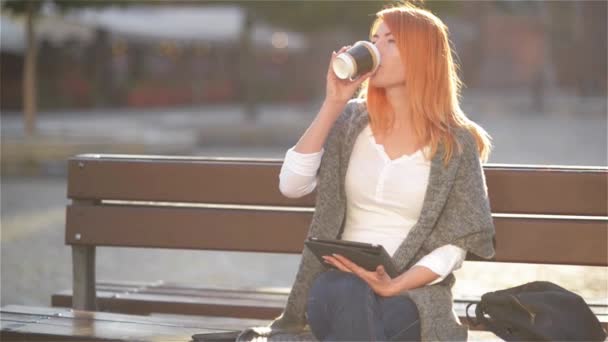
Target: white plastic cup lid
{"x":343,"y":66}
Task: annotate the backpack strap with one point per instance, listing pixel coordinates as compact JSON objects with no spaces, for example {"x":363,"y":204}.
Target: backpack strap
{"x":501,"y":331}
{"x":469,"y":319}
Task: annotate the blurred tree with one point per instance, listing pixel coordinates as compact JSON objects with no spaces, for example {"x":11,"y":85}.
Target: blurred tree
{"x":31,"y":9}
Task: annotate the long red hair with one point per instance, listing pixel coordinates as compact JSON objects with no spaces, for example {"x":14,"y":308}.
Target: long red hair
{"x":432,"y":85}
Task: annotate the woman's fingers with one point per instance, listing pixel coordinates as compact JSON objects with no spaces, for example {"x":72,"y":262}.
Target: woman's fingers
{"x":331,"y":60}
{"x":376,"y":280}
{"x":344,"y":48}
{"x":337,"y":263}
{"x":351,"y":265}
{"x":380,"y":272}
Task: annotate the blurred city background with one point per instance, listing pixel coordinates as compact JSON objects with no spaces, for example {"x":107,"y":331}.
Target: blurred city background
{"x":245,"y":79}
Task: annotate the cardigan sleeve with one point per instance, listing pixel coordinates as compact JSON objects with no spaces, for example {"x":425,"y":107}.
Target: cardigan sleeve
{"x":466,"y":220}
{"x":443,"y":261}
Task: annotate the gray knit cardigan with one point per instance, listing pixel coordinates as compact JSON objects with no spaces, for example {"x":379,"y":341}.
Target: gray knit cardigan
{"x":456,"y":210}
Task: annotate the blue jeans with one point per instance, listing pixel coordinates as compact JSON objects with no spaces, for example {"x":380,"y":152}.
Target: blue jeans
{"x":343,"y":307}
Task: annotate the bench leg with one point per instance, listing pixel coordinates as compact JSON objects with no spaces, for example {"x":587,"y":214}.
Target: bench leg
{"x":83,"y":261}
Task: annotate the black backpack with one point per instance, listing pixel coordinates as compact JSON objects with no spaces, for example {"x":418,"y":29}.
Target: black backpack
{"x":537,"y":311}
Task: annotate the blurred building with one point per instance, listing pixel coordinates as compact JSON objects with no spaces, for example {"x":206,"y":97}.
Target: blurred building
{"x":54,"y":35}
{"x":151,"y":56}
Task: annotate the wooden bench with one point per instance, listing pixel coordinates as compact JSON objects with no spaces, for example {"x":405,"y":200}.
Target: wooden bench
{"x":543,"y":215}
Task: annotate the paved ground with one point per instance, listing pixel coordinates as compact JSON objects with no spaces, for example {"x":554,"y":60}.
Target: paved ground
{"x":35,"y":262}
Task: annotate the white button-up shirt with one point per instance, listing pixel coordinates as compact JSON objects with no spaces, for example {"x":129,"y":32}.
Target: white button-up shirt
{"x":384,"y":197}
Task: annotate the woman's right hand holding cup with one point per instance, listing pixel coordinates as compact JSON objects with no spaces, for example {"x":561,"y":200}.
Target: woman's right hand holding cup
{"x":340,"y":91}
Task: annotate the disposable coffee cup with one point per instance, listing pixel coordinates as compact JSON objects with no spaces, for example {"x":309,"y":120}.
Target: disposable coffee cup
{"x":361,"y":58}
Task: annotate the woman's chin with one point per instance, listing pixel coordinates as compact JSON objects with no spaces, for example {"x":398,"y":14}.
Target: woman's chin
{"x":375,"y":82}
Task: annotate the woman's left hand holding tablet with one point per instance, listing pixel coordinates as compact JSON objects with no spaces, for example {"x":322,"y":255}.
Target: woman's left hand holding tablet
{"x":378,"y":280}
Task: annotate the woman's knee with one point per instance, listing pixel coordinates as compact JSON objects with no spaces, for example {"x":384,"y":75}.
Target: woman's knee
{"x":322,"y":284}
{"x":340,"y":282}
{"x":333,"y":287}
{"x":321,"y":290}
{"x":349,"y":308}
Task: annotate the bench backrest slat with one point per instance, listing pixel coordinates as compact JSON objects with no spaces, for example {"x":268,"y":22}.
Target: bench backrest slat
{"x":187,"y":228}
{"x":200,"y":181}
{"x":548,"y":190}
{"x":512,"y":189}
{"x":551,"y":241}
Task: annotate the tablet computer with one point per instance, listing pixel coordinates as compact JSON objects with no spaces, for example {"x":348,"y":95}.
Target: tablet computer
{"x":366,"y":255}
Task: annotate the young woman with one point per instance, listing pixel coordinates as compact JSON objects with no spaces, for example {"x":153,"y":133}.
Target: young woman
{"x":399,"y":166}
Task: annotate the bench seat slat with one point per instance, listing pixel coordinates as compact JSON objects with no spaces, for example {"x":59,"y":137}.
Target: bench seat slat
{"x":143,"y":306}
{"x":280,"y":299}
{"x":10,"y":318}
{"x":91,"y":328}
{"x":39,"y":313}
{"x":213,"y":295}
{"x":218,"y":299}
{"x":528,"y":240}
{"x":216,"y":296}
{"x":231,"y":305}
